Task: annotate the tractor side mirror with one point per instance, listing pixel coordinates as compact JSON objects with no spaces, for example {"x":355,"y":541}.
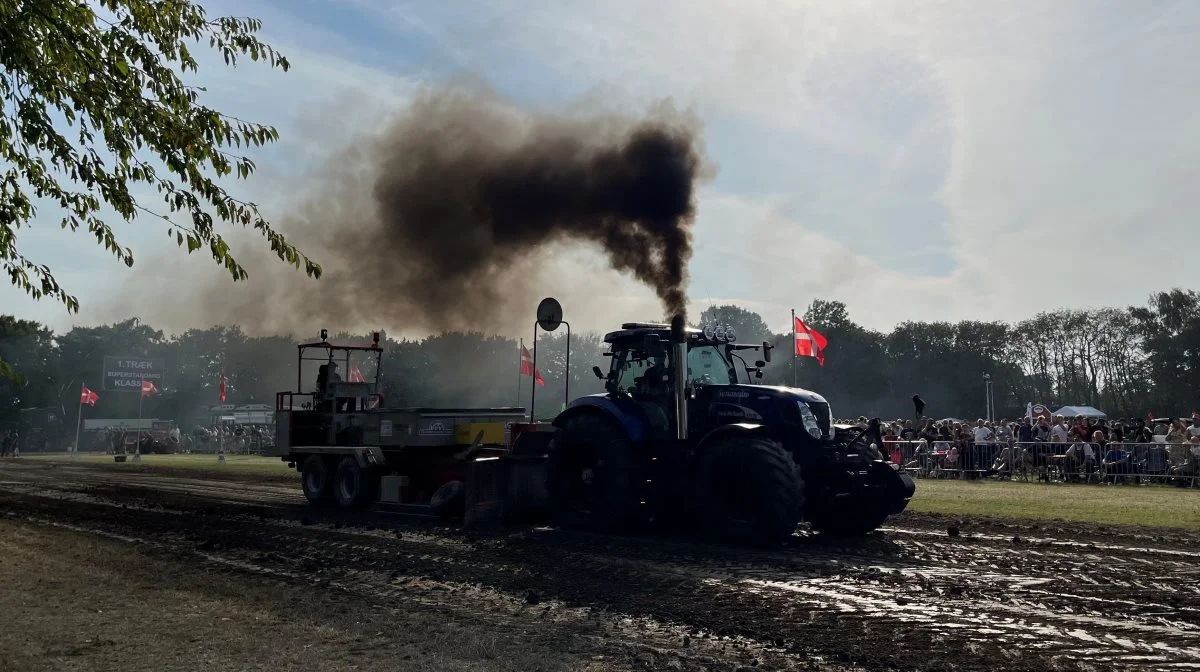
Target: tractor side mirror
{"x":599,"y":374}
{"x":767,"y":351}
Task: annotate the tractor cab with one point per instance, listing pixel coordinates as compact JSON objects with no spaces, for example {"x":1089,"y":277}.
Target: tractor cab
{"x":641,"y":348}
{"x":644,"y":370}
{"x":332,"y":393}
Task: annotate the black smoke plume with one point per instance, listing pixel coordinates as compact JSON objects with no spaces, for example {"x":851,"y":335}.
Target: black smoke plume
{"x":443,"y":220}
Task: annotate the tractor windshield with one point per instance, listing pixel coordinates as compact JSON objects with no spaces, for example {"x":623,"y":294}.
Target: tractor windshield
{"x":636,"y":371}
{"x":707,"y":366}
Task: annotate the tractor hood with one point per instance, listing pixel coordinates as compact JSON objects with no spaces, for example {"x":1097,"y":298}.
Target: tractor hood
{"x":772,"y":405}
{"x":797,"y":393}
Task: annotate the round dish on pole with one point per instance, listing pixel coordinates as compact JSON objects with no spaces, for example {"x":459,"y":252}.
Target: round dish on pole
{"x":549,"y":314}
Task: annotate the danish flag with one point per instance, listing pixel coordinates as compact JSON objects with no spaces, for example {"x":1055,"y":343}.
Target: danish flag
{"x":809,"y":342}
{"x":223,"y":380}
{"x":88,"y":397}
{"x":527,"y":367}
{"x":148,"y":388}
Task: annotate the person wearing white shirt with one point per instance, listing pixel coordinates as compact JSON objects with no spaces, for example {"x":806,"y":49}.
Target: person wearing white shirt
{"x":1194,"y":430}
{"x":983,"y":433}
{"x":1059,"y":433}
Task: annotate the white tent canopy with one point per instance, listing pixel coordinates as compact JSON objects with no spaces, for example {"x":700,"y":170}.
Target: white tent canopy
{"x":1076,"y":411}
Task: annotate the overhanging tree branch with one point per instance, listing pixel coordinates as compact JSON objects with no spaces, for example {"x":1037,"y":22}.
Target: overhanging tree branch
{"x":116,"y":79}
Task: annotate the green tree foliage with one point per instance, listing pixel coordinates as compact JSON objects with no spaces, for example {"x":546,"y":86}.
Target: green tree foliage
{"x":29,"y":347}
{"x":1124,"y":361}
{"x":93,"y":103}
{"x":1169,"y":329}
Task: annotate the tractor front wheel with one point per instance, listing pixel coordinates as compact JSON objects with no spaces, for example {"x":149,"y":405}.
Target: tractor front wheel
{"x":591,"y":476}
{"x":750,"y":493}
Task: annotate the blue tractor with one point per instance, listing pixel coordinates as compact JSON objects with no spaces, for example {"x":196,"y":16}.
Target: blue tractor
{"x":679,"y":441}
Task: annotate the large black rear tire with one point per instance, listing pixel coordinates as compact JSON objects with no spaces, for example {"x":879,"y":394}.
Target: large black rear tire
{"x":751,"y":492}
{"x":592,"y":476}
{"x":316,"y":481}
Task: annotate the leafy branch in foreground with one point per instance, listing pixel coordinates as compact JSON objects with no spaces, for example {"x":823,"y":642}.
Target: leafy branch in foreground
{"x":112,"y":75}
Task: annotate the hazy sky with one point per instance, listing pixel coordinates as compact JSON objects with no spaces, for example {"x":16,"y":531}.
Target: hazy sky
{"x":917,"y":160}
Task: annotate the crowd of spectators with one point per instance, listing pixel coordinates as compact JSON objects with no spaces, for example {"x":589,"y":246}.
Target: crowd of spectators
{"x":1074,"y":449}
{"x":238,"y":438}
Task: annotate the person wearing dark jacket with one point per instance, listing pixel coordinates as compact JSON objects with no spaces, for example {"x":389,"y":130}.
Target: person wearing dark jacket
{"x":1116,"y":433}
{"x":1025,"y":432}
{"x":1041,"y":432}
{"x":1141,"y":433}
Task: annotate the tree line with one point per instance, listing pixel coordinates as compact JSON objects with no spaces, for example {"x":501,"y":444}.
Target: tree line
{"x":1125,"y":361}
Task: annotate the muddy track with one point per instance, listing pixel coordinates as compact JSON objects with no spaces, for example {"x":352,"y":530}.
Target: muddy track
{"x":1027,"y":597}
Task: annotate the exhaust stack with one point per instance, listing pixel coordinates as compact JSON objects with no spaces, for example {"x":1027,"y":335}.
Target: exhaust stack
{"x":679,"y":343}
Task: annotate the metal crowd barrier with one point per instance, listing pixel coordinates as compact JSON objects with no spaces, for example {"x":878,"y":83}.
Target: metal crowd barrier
{"x":1048,"y":462}
{"x":944,"y":459}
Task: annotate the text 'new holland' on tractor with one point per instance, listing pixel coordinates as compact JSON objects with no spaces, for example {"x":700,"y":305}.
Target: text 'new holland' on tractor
{"x":676,"y":440}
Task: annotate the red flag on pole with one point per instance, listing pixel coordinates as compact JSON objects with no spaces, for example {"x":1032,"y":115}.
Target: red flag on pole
{"x":809,"y":342}
{"x":88,"y":397}
{"x":356,"y":375}
{"x":148,"y":388}
{"x":222,"y":389}
{"x":527,"y":367}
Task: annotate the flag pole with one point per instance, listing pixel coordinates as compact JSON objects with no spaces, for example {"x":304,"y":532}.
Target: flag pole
{"x":137,"y":449}
{"x":794,"y":347}
{"x":533,"y":383}
{"x":221,"y":412}
{"x":78,"y":421}
{"x":520,"y":348}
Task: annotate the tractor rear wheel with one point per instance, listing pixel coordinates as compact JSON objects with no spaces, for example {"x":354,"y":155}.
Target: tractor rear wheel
{"x":316,"y":481}
{"x":351,"y":485}
{"x":751,"y":492}
{"x":592,"y":476}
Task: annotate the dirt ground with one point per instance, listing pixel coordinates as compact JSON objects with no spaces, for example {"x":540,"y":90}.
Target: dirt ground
{"x":105,"y":569}
{"x":75,"y":601}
